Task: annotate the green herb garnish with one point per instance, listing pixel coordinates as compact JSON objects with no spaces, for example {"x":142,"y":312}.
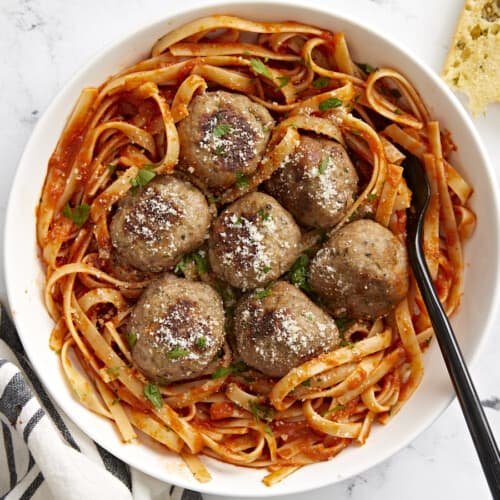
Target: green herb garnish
{"x":212,"y":200}
{"x":260,"y":68}
{"x":143,"y":177}
{"x":263,"y":293}
{"x":329,"y":103}
{"x":241,"y":180}
{"x":367,"y":68}
{"x":321,"y":83}
{"x":334,"y":409}
{"x":131,"y":338}
{"x":263,"y":214}
{"x":323,"y":165}
{"x":111,"y":169}
{"x":397,"y":111}
{"x":343,"y":324}
{"x":200,"y":262}
{"x":283,"y":81}
{"x":266,"y":269}
{"x":298,"y":273}
{"x":201,"y":342}
{"x":306,"y":383}
{"x":260,"y":412}
{"x":116,"y":400}
{"x":78,"y":215}
{"x":222,"y":371}
{"x":219,"y":151}
{"x":222,"y":129}
{"x":152,"y":393}
{"x":372,"y":196}
{"x":177,"y":352}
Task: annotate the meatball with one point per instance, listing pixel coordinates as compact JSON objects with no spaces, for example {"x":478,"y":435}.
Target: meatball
{"x":317,"y":184}
{"x":179,"y":327}
{"x":254,"y":241}
{"x":154,"y":227}
{"x":361,"y":271}
{"x":281,"y":328}
{"x":223,"y":137}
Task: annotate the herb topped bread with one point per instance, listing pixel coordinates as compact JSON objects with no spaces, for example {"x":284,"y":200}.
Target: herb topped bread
{"x":473,"y":62}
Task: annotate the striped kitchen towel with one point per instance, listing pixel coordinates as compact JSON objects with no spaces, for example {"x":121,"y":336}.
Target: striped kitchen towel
{"x":43,"y":455}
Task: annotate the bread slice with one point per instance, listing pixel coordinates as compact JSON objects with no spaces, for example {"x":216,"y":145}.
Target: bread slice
{"x":473,"y":62}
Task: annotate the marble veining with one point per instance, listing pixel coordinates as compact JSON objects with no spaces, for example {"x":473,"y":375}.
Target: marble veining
{"x":43,"y":42}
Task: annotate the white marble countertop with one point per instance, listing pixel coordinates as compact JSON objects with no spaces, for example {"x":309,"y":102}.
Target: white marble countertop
{"x":44,"y":42}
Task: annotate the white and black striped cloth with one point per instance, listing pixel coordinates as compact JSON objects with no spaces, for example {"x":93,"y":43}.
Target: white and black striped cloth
{"x":43,"y":455}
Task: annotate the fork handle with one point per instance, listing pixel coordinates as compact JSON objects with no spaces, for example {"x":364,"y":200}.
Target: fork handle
{"x":479,"y":428}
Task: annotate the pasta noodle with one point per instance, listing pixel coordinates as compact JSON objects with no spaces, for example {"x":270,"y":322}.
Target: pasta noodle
{"x":239,"y":415}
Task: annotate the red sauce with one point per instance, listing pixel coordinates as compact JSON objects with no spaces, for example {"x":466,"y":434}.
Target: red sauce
{"x":219,"y":411}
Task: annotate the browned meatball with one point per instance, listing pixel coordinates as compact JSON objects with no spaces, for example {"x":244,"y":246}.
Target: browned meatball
{"x":361,"y":271}
{"x":282,"y":330}
{"x":154,"y":227}
{"x":224,"y":135}
{"x":254,"y":241}
{"x":178,"y":326}
{"x":318,"y":184}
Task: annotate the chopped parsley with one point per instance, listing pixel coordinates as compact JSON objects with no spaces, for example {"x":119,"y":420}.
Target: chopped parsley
{"x":343,"y":324}
{"x":212,"y":200}
{"x":131,"y":338}
{"x":78,"y":215}
{"x":177,"y":352}
{"x":329,"y":103}
{"x":111,"y":169}
{"x":321,"y":83}
{"x":260,"y":412}
{"x":372,"y":196}
{"x":298,"y":273}
{"x":201,"y":342}
{"x":306,"y":383}
{"x":263,"y":214}
{"x":260,"y":68}
{"x":200,"y":261}
{"x":266,"y":269}
{"x":397,"y":111}
{"x":219,"y":151}
{"x":323,"y":165}
{"x":116,"y":400}
{"x":222,"y":129}
{"x":241,"y":180}
{"x":112,"y":369}
{"x":143,"y":177}
{"x":268,"y":430}
{"x":263,"y":293}
{"x":334,"y":409}
{"x":152,"y":393}
{"x":367,"y":68}
{"x":222,"y":371}
{"x":283,"y":81}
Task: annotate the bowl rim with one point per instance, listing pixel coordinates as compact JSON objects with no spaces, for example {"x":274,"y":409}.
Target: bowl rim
{"x":195,"y":11}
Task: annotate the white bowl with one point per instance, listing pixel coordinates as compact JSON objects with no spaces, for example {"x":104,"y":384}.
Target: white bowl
{"x":25,"y":276}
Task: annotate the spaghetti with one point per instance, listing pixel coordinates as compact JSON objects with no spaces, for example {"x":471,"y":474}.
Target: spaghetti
{"x":237,"y":414}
